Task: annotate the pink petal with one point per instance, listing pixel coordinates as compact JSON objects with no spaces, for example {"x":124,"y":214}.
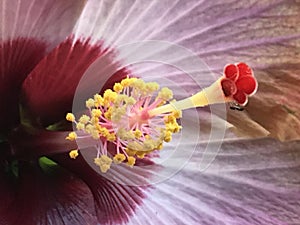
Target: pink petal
{"x":251,"y":182}
{"x":48,"y":20}
{"x":263,"y":34}
{"x":240,"y":97}
{"x":115,"y":201}
{"x":247,"y":84}
{"x":231,"y":71}
{"x":228,"y":87}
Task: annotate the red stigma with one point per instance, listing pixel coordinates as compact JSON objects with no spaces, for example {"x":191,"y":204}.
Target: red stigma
{"x":238,"y":82}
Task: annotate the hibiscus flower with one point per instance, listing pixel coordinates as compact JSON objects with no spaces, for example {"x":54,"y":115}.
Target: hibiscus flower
{"x":228,"y":167}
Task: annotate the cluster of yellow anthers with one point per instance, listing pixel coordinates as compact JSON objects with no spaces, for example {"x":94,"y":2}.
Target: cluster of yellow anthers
{"x":121,"y":116}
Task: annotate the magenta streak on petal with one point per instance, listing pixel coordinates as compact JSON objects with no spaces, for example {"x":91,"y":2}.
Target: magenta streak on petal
{"x":17,"y":58}
{"x":49,"y":89}
{"x":53,"y":197}
{"x":115,"y":203}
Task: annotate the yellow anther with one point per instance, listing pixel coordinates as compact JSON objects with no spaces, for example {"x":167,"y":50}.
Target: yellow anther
{"x":80,"y":126}
{"x":140,"y":155}
{"x":109,"y":96}
{"x":165,"y":94}
{"x":98,"y":127}
{"x":147,"y":137}
{"x":177,"y":128}
{"x":103,"y":162}
{"x":98,"y":161}
{"x":137,"y":133}
{"x":111,"y":137}
{"x":107,"y":114}
{"x":139,"y":84}
{"x":98,"y":100}
{"x":73,"y":154}
{"x":168,"y":136}
{"x":169,"y":119}
{"x":117,"y":114}
{"x":130,"y":101}
{"x":104,"y":131}
{"x":128,"y":81}
{"x":120,"y":116}
{"x":89,"y":128}
{"x":118,"y":158}
{"x":120,"y":99}
{"x":84,"y":119}
{"x":177,"y":114}
{"x":118,"y":87}
{"x":95,"y":121}
{"x":152,"y":87}
{"x":104,"y":168}
{"x":130,"y":152}
{"x":130,"y":161}
{"x":95,"y":134}
{"x":106,"y":159}
{"x":173,"y":127}
{"x":160,"y":146}
{"x":90,"y":103}
{"x":70,"y":117}
{"x":96,"y":113}
{"x":72,"y":136}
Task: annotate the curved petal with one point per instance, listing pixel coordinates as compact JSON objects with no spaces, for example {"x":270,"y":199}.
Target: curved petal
{"x":49,"y":89}
{"x":28,"y":30}
{"x":54,"y":197}
{"x":250,"y":182}
{"x":46,"y":20}
{"x":264,"y":34}
{"x":115,"y":201}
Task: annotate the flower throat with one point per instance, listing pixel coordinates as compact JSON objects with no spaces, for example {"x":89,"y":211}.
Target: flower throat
{"x":138,"y":117}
